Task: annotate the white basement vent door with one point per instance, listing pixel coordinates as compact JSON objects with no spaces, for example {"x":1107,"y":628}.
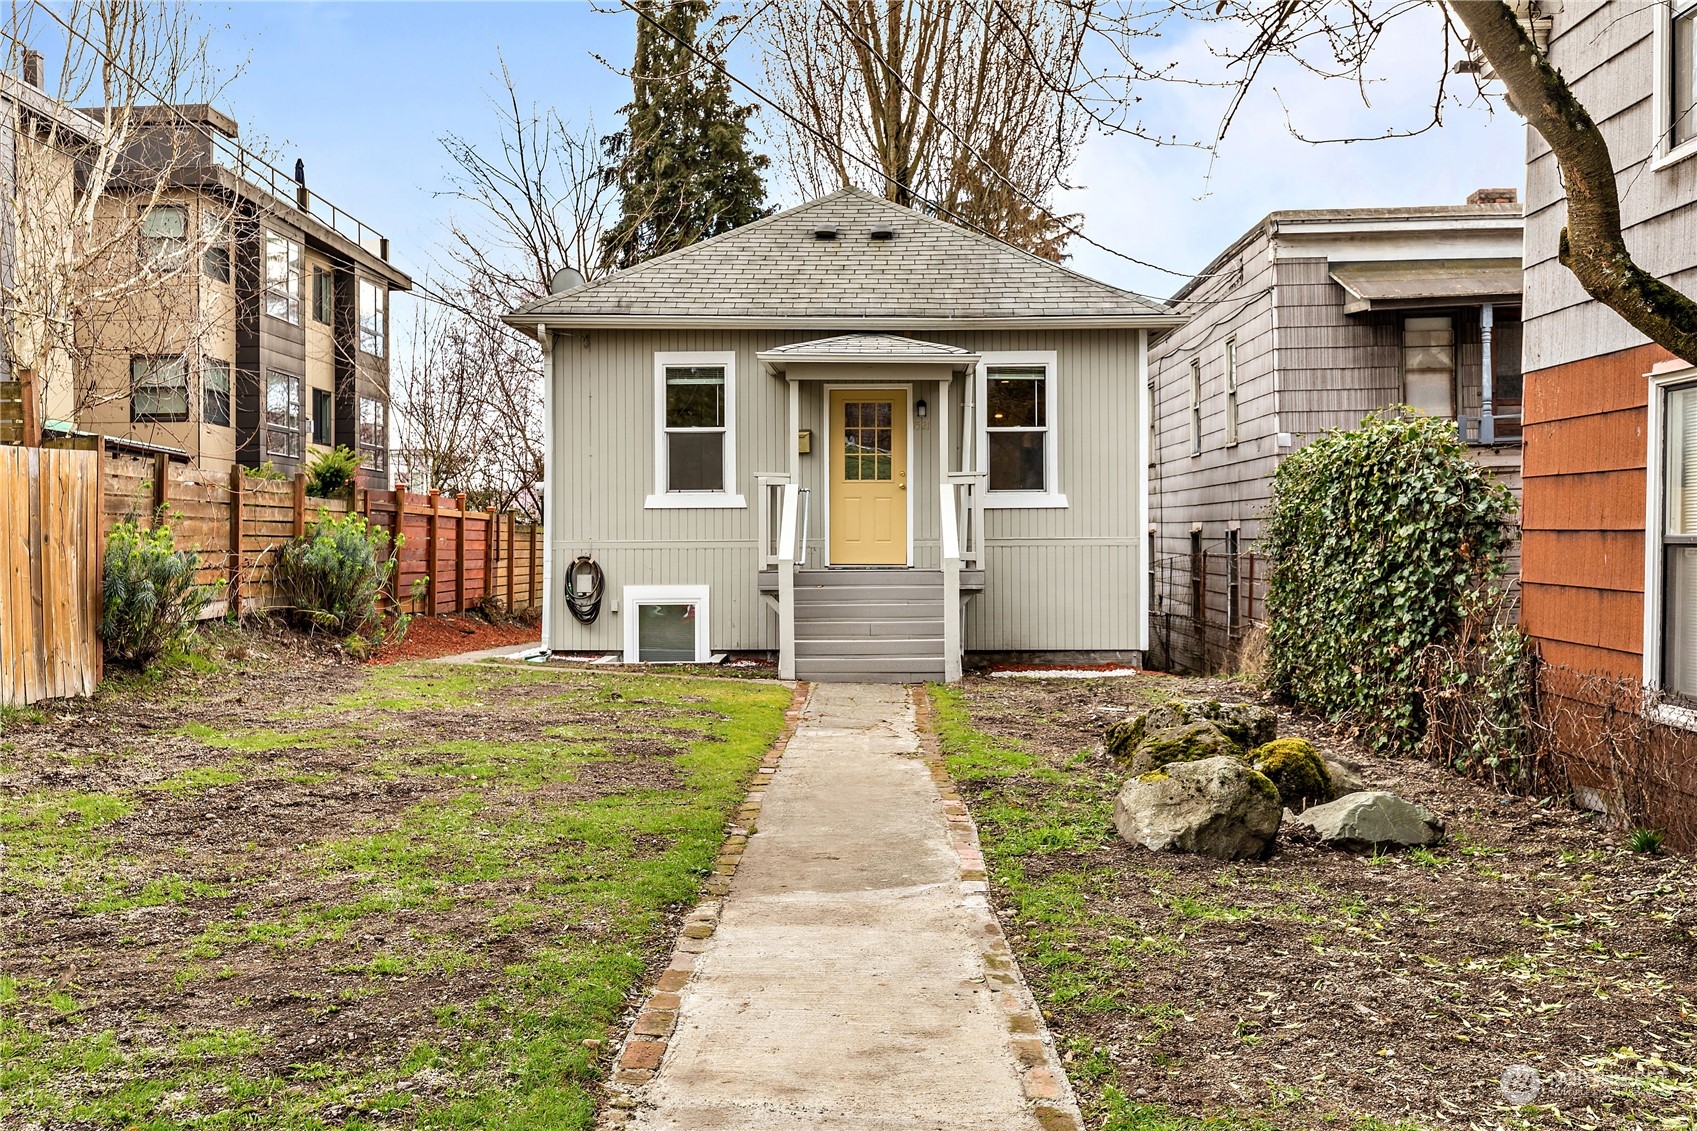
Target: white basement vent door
{"x":666,"y":624}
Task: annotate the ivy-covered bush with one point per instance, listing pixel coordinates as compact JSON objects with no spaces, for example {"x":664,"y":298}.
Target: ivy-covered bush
{"x":330,"y":473}
{"x":334,"y":575}
{"x":1378,"y":539}
{"x":149,"y":600}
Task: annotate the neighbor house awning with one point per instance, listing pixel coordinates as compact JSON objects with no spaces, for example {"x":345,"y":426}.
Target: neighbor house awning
{"x":1419,"y":283}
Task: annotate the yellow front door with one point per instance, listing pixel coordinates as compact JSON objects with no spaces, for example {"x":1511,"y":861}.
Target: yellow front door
{"x":868,"y":476}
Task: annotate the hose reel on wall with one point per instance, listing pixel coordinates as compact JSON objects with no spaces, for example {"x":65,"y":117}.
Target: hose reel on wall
{"x":585,"y":583}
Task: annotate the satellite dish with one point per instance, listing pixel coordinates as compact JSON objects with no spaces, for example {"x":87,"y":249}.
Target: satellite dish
{"x":565,"y":279}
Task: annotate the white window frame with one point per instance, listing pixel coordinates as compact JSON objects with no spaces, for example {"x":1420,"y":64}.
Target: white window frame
{"x":1194,"y":388}
{"x":636,"y":596}
{"x":1231,"y":391}
{"x":288,"y":287}
{"x":373,"y":317}
{"x":1052,"y":497}
{"x":1661,"y":44}
{"x":726,"y":499}
{"x":1654,"y":558}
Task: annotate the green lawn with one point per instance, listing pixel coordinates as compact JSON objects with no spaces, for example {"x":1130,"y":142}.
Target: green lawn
{"x":310,"y":895}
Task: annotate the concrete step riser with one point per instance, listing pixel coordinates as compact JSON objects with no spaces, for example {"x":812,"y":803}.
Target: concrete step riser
{"x":926,"y":650}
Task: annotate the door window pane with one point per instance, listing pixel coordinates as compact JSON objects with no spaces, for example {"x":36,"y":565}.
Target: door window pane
{"x":868,"y":438}
{"x":665,"y":633}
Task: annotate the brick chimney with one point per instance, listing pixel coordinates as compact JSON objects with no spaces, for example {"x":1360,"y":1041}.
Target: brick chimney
{"x":32,"y":68}
{"x":1494,"y":196}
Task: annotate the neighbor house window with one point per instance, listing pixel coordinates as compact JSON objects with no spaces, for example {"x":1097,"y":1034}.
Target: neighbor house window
{"x":282,"y":414}
{"x":1195,"y":406}
{"x":666,"y":624}
{"x":215,"y":392}
{"x":1679,"y":542}
{"x":1198,"y":578}
{"x":373,"y":433}
{"x":1018,"y":394}
{"x":695,"y":431}
{"x":283,"y":278}
{"x":323,"y":416}
{"x":164,"y":235}
{"x":1683,"y":124}
{"x":373,"y":317}
{"x":1231,"y":391}
{"x":159,"y":389}
{"x":321,"y":295}
{"x":215,"y":233}
{"x":1428,"y":365}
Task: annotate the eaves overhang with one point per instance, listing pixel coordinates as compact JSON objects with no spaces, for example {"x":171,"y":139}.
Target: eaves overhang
{"x":533,"y":323}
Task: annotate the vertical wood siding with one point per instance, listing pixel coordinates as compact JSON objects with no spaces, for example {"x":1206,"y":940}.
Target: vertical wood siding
{"x":1060,"y":579}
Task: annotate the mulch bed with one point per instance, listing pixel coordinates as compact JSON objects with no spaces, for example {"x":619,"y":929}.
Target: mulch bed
{"x":428,"y":638}
{"x":1318,"y":985}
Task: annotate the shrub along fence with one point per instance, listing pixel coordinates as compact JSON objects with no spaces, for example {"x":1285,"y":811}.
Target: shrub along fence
{"x":239,"y":524}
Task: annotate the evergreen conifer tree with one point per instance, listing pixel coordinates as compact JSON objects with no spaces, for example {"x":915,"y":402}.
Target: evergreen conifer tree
{"x":682,"y":162}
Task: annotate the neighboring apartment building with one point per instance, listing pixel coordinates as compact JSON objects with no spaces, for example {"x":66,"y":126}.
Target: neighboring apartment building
{"x":1609,"y":582}
{"x":1308,"y":321}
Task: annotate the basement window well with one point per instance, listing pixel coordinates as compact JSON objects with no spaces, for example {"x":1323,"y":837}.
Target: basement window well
{"x":666,"y":624}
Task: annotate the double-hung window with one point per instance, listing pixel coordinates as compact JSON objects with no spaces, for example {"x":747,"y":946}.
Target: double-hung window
{"x":282,"y":414}
{"x":322,"y":292}
{"x":1231,"y":391}
{"x":1195,"y":406}
{"x":373,"y":317}
{"x":159,"y":389}
{"x":1673,"y":623}
{"x":215,"y":234}
{"x":215,"y":392}
{"x":164,"y":236}
{"x":1018,"y":393}
{"x":323,"y":417}
{"x":1682,"y":75}
{"x":283,"y":278}
{"x":695,"y":431}
{"x":373,"y":433}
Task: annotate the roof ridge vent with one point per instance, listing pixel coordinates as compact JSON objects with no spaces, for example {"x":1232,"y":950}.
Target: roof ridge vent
{"x":825,"y":232}
{"x":881,"y":231}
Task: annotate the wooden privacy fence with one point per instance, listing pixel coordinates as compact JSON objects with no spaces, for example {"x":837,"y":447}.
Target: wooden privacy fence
{"x":51,"y":543}
{"x":239,"y":524}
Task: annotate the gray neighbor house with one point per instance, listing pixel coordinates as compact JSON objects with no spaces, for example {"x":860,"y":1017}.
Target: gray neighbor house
{"x":1312,"y":320}
{"x":865,"y":440}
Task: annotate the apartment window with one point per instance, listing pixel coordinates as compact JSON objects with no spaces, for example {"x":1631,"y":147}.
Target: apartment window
{"x":1195,"y":406}
{"x":215,"y":233}
{"x":283,"y":278}
{"x":159,"y":389}
{"x":695,"y":430}
{"x":282,"y":414}
{"x":373,"y":433}
{"x":1428,"y":365}
{"x":1231,"y":391}
{"x":164,"y":235}
{"x":323,"y":416}
{"x":373,"y":317}
{"x":215,"y":392}
{"x":321,"y":295}
{"x":1018,"y":392}
{"x":666,"y":624}
{"x":1683,"y":127}
{"x":1679,"y":542}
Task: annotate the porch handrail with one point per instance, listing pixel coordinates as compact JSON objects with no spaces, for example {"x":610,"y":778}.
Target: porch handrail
{"x":768,"y":486}
{"x":967,"y":505}
{"x":786,"y":582}
{"x":950,"y":523}
{"x":951,"y":584}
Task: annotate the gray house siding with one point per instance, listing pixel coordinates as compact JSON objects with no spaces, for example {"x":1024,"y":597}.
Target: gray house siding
{"x":1055,"y":579}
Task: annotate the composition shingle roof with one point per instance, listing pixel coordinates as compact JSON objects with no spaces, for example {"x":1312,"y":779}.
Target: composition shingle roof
{"x":775,"y":270}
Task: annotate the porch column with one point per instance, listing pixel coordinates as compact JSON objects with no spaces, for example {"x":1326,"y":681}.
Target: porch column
{"x":795,"y":431}
{"x":943,"y":413}
{"x":1487,"y":371}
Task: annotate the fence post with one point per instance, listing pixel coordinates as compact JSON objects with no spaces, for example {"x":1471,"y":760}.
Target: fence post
{"x":96,"y":604}
{"x":508,"y":548}
{"x":300,"y":504}
{"x":432,"y":546}
{"x":395,"y":545}
{"x":459,"y":554}
{"x":235,"y":590}
{"x":161,"y":484}
{"x":535,"y":560}
{"x":488,"y":551}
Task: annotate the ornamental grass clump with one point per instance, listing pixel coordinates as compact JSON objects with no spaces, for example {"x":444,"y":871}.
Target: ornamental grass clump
{"x":1380,"y":539}
{"x":335,"y":573}
{"x":150,"y":603}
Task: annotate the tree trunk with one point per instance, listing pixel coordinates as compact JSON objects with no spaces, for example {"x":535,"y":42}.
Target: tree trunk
{"x":1592,"y":246}
{"x":29,"y":391}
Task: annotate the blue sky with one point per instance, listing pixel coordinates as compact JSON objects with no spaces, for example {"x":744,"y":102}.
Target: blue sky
{"x":362,"y":91}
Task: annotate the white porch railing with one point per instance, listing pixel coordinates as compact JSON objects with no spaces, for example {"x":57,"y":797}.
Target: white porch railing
{"x":964,"y":515}
{"x":770,"y":490}
{"x":952,"y":651}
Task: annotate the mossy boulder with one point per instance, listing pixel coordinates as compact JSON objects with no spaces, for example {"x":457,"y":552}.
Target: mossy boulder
{"x":1190,"y":742}
{"x":1244,"y":724}
{"x":1297,"y":769}
{"x":1218,"y":807}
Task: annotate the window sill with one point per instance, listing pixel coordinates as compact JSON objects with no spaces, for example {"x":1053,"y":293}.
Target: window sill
{"x":687,"y":501}
{"x":1674,"y":156}
{"x":1670,"y":714}
{"x":1018,"y":500}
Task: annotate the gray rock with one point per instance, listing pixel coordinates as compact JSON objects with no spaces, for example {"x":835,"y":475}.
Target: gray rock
{"x":1346,"y":776}
{"x":1372,"y":819}
{"x":1218,"y":807}
{"x":1244,"y":723}
{"x":1191,"y":742}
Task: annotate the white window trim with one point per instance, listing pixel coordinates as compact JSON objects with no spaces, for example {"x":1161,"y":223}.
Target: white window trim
{"x":1666,"y":154}
{"x":1053,"y":498}
{"x":729,"y":498}
{"x":1193,"y":410}
{"x":638,"y":595}
{"x":1231,"y":403}
{"x":1654,"y":461}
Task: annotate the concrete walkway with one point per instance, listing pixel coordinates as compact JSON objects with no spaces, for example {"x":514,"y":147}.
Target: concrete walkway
{"x":854,"y":980}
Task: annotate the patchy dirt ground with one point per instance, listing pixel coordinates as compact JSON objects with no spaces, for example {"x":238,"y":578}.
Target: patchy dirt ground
{"x":280,"y":889}
{"x":1318,"y":988}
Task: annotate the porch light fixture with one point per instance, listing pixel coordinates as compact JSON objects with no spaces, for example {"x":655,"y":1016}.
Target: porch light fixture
{"x":921,"y":409}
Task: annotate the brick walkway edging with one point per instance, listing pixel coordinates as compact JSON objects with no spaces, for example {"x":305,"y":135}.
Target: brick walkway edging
{"x":645,"y":1045}
{"x":1041,"y":1078}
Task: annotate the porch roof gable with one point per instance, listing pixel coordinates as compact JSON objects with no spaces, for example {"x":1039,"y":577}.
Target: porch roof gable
{"x":865,"y":349}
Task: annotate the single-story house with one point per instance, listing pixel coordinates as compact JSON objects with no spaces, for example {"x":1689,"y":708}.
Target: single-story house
{"x":863,"y":439}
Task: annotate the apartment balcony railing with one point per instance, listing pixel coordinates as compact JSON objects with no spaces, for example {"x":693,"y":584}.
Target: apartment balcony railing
{"x":1496,"y":428}
{"x":263,"y":175}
